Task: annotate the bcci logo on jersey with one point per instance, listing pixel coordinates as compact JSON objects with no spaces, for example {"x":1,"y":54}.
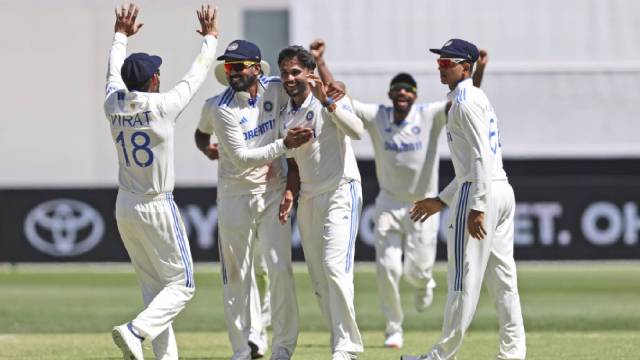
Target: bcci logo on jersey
{"x":64,"y":227}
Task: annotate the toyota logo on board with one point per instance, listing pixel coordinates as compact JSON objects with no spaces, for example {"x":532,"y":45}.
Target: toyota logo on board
{"x":64,"y":227}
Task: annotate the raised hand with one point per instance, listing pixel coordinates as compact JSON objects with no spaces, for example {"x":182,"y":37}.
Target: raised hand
{"x":337,"y":90}
{"x":126,"y":19}
{"x":208,"y":18}
{"x":317,"y":48}
{"x":483,"y":58}
{"x":297,"y":136}
{"x":422,"y":209}
{"x":317,"y":87}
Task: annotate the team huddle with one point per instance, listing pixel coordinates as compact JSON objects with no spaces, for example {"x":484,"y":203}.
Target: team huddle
{"x":288,"y":138}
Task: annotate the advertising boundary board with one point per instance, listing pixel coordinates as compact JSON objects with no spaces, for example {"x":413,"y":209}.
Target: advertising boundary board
{"x":566,"y":210}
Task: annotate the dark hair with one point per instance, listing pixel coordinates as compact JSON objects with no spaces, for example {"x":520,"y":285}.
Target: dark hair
{"x":301,"y":54}
{"x":144,"y":87}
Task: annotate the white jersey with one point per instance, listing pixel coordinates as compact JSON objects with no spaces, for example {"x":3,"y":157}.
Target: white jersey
{"x":142,"y":123}
{"x":474,"y":143}
{"x":406,"y":154}
{"x":251,"y":158}
{"x":328,"y":157}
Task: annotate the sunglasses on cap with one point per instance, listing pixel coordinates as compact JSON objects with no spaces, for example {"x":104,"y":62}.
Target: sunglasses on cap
{"x":238,"y":65}
{"x":446,"y":63}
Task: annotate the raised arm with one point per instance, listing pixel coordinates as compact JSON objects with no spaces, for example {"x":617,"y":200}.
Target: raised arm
{"x":174,"y":101}
{"x":124,"y":27}
{"x":317,"y":49}
{"x":481,"y":64}
{"x":341,"y":113}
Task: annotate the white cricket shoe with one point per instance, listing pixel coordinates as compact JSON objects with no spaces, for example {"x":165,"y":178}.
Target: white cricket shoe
{"x":423,"y":298}
{"x":394,"y":340}
{"x":343,"y":355}
{"x":280,"y":354}
{"x":128,"y":342}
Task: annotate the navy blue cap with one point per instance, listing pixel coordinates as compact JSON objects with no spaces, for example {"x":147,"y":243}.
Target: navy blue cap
{"x":241,"y":50}
{"x":138,"y":68}
{"x":459,"y":48}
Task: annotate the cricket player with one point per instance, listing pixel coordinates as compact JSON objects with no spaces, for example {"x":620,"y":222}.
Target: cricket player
{"x":405,"y":143}
{"x":260,"y":309}
{"x":251,"y":181}
{"x":480,"y":232}
{"x":142,"y":122}
{"x":330,"y":194}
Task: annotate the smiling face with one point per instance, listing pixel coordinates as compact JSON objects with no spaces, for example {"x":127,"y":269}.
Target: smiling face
{"x":402,"y":98}
{"x":294,"y":77}
{"x":241,"y":76}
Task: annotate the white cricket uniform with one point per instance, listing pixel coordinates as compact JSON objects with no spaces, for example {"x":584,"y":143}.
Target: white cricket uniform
{"x":251,"y":182}
{"x":480,"y":184}
{"x":407,"y":162}
{"x":328,"y":211}
{"x":148,"y":218}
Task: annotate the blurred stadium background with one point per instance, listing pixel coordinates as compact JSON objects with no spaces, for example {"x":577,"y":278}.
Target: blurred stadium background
{"x":563,"y":76}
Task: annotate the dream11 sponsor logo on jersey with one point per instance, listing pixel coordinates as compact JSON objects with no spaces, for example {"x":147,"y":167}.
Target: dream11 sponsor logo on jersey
{"x":64,"y":227}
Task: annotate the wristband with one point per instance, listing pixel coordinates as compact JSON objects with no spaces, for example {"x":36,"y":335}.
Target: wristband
{"x":329,"y":102}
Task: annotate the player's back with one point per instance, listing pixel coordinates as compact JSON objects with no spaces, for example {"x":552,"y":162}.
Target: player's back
{"x":143,"y":137}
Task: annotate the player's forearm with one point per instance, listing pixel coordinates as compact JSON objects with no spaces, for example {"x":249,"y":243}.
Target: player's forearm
{"x":178,"y":98}
{"x":116,"y":58}
{"x":482,"y":181}
{"x":324,"y":72}
{"x":478,"y":75}
{"x":447,"y":194}
{"x":293,"y":178}
{"x":348,"y":122}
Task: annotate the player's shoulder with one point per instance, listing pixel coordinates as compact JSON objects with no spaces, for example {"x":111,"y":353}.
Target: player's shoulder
{"x":222,"y":100}
{"x":470,"y":97}
{"x":266,"y":80}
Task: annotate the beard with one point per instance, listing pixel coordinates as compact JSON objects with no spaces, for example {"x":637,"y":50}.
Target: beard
{"x":241,"y":83}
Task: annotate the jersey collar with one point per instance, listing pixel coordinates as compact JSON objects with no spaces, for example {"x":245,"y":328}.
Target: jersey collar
{"x":308,"y":102}
{"x":462,"y":85}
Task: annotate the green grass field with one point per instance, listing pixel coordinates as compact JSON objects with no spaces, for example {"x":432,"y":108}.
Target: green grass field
{"x":572,"y":311}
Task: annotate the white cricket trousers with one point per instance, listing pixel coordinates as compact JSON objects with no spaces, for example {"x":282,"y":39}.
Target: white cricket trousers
{"x":155,"y":238}
{"x":328,"y":227}
{"x":260,"y":305}
{"x":470,"y":261}
{"x":245,"y":222}
{"x":396,"y":235}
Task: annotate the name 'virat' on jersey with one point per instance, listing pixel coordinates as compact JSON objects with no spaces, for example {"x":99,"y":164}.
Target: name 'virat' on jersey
{"x":142,"y":123}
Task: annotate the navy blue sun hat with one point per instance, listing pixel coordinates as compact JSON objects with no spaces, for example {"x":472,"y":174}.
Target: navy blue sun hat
{"x":241,"y":50}
{"x":458,"y":48}
{"x":138,"y":68}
